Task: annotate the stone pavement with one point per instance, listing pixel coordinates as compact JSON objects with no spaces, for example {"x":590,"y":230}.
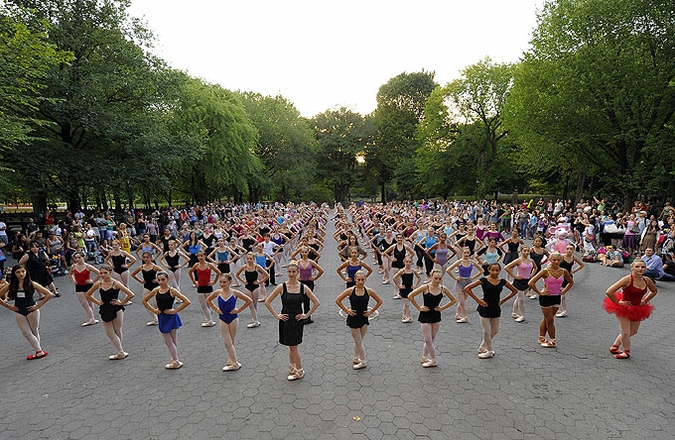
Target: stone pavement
{"x":575,"y":391}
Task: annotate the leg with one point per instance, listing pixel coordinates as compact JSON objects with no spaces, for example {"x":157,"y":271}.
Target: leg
{"x":486,"y":325}
{"x":124,"y":277}
{"x":228,"y":332}
{"x":170,"y":339}
{"x":547,"y":326}
{"x":205,"y":308}
{"x":153,"y":302}
{"x":86,"y":305}
{"x":294,"y":355}
{"x":429,"y":351}
{"x":113,"y":334}
{"x":357,"y":335}
{"x":30,"y":328}
{"x":406,"y":308}
{"x":254,"y":304}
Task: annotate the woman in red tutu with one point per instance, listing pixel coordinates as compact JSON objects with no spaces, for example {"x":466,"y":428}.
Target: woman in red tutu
{"x":630,"y":305}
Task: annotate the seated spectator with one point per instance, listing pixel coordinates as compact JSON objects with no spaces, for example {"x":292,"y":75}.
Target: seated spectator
{"x":611,"y":258}
{"x":655,"y":267}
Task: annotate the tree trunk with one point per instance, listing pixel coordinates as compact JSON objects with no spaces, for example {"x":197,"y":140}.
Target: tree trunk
{"x":580,"y":187}
{"x":39,"y":200}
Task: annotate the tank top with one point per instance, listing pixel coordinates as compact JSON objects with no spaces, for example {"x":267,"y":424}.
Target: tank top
{"x":399,"y":256}
{"x":554,"y":285}
{"x":491,"y":257}
{"x":351,"y":271}
{"x":164,"y":300}
{"x":82,"y":278}
{"x":632,"y":293}
{"x":203,"y":276}
{"x":172,"y":261}
{"x":305,"y":273}
{"x":525,"y":269}
{"x":359,"y":303}
{"x":222,"y":257}
{"x":149,"y":276}
{"x":465,"y":271}
{"x":261,"y":260}
{"x":442,"y":255}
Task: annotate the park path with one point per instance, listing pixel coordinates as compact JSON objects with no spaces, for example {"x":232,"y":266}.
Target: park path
{"x":576,"y":391}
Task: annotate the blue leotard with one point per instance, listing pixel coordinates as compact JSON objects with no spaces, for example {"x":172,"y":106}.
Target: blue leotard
{"x":226,"y":306}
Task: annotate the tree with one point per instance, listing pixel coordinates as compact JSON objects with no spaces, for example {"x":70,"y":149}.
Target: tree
{"x":400,"y":107}
{"x":342,"y":137}
{"x":284,"y":146}
{"x":98,"y":102}
{"x":216,"y":140}
{"x":594,"y":93}
{"x":27,"y":56}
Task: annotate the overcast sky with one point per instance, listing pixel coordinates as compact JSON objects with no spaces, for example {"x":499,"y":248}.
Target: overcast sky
{"x":324,"y":54}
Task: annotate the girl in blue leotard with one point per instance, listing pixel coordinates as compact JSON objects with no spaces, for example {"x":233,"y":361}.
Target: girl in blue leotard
{"x":168,"y":320}
{"x":229,"y":316}
{"x":351,"y":266}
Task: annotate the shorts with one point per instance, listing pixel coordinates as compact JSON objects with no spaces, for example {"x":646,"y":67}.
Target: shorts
{"x":549,"y":300}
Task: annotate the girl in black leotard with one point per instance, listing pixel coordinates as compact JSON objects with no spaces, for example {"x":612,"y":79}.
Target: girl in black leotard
{"x":358,"y":314}
{"x":149,"y":271}
{"x":120,"y":261}
{"x":111,"y":308}
{"x":171,"y":260}
{"x":430,"y":313}
{"x":489,"y":307}
{"x":22,"y":290}
{"x":254,"y":275}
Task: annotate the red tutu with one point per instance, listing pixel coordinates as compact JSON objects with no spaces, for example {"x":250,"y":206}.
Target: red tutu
{"x":633,"y":313}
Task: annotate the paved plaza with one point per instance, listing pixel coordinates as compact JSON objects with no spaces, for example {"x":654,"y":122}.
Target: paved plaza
{"x":575,"y":391}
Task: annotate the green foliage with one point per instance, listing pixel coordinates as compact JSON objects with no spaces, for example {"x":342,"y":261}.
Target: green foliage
{"x":26,"y":56}
{"x":400,"y":107}
{"x":341,"y":136}
{"x":285,"y":147}
{"x":216,"y":138}
{"x":594,"y":92}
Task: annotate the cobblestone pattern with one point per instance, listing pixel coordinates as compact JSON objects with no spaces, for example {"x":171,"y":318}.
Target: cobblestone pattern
{"x":575,"y":391}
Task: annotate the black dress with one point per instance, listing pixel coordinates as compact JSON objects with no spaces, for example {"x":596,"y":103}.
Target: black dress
{"x":491,"y":294}
{"x":290,"y":332}
{"x":359,"y":304}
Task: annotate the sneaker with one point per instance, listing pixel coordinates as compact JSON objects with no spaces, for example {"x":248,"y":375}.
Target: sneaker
{"x":253,"y":324}
{"x":232,"y":367}
{"x":520,"y":319}
{"x":561,"y":314}
{"x":486,"y":355}
{"x":430,"y":363}
{"x":359,"y":366}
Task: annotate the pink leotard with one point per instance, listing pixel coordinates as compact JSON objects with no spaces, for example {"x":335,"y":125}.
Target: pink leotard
{"x":553,"y":284}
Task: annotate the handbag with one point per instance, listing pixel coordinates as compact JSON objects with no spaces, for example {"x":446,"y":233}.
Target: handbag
{"x":635,"y":229}
{"x":611,"y":228}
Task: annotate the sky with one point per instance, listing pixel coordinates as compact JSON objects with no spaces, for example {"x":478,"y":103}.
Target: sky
{"x":325,"y":54}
